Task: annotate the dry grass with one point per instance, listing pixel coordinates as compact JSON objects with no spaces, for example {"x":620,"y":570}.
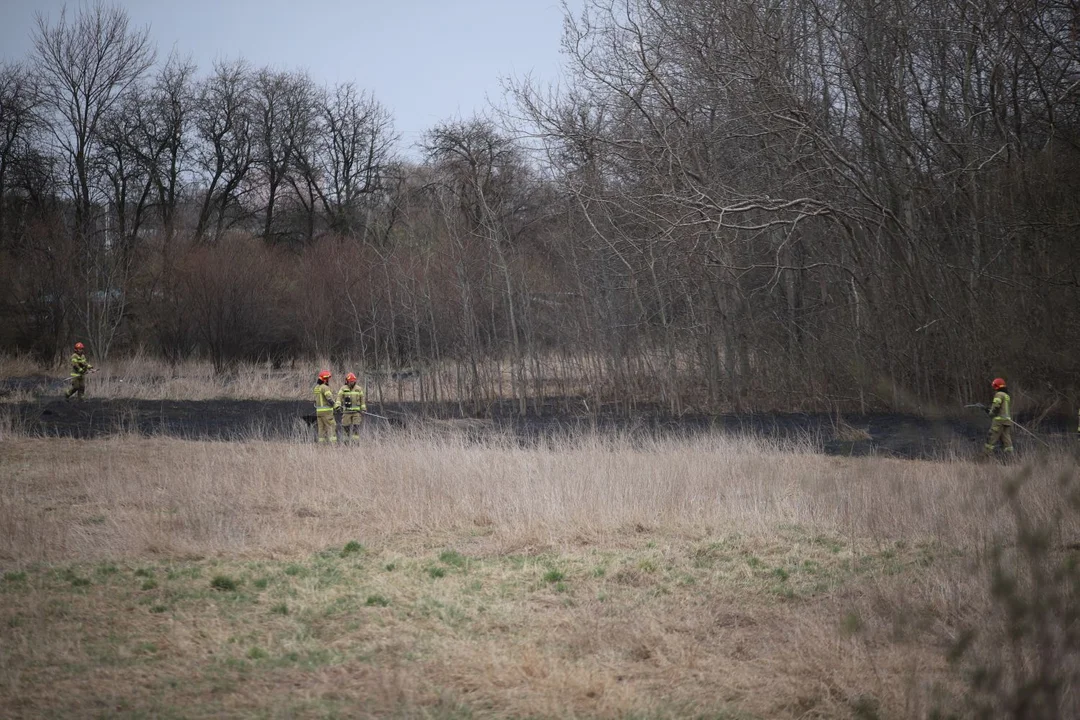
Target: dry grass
{"x":18,"y":365}
{"x":171,"y":496}
{"x":143,"y":377}
{"x":598,"y":578}
{"x":846,"y":432}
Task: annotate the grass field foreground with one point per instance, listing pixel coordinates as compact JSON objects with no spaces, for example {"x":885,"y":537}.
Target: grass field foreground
{"x":436,"y":577}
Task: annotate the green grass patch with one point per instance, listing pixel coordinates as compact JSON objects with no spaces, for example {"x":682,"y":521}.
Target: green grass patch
{"x":453,"y":558}
{"x":785,"y":592}
{"x":352,"y":548}
{"x":190,"y":572}
{"x":269,"y":619}
{"x":79,"y":582}
{"x":554,"y":576}
{"x":224,"y":583}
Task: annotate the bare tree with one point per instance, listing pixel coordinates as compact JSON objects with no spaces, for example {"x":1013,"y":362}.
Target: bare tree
{"x":481,"y":168}
{"x":348,"y":166}
{"x":85,"y":65}
{"x":163,"y":137}
{"x":284,"y":107}
{"x":224,"y":127}
{"x":811,"y":196}
{"x":19,"y":121}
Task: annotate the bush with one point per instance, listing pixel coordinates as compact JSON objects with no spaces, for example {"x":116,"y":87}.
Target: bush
{"x":1021,"y":655}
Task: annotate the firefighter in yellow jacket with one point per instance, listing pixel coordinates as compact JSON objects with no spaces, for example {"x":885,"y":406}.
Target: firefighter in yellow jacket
{"x":80,"y":366}
{"x":324,"y":408}
{"x":350,"y":399}
{"x":1000,"y":412}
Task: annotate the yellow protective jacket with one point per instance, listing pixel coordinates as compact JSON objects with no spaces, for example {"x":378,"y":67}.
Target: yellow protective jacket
{"x":80,"y":365}
{"x":324,"y":398}
{"x":351,"y":399}
{"x":1001,"y":408}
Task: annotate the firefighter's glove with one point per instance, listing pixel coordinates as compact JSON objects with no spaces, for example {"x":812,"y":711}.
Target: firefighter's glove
{"x":363,"y":407}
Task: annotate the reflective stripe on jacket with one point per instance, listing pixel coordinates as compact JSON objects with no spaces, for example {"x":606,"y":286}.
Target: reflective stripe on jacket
{"x":79,"y":365}
{"x":1001,"y":408}
{"x":324,"y":398}
{"x":350,"y":398}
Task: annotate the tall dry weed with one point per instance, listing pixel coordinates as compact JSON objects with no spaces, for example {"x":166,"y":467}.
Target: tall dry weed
{"x":170,"y":496}
{"x":18,"y":365}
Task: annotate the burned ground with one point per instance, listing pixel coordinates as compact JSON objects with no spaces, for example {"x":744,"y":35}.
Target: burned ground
{"x":884,"y":434}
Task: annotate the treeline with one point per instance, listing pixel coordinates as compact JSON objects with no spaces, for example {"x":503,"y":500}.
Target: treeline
{"x":797,"y":204}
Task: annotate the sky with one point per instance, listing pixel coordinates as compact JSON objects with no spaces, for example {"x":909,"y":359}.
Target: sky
{"x":426,"y":60}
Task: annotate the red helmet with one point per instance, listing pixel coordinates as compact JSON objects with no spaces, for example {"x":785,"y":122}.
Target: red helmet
{"x":998,"y":383}
{"x":350,"y":378}
{"x":79,"y":347}
{"x":324,"y":375}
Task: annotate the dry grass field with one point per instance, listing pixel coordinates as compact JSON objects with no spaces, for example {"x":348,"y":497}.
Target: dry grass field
{"x":143,"y":377}
{"x":423,"y":576}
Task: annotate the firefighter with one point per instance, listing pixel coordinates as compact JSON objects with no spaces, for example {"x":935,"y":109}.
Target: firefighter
{"x":80,"y":366}
{"x":351,"y":401}
{"x":324,"y":408}
{"x":1000,"y":412}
